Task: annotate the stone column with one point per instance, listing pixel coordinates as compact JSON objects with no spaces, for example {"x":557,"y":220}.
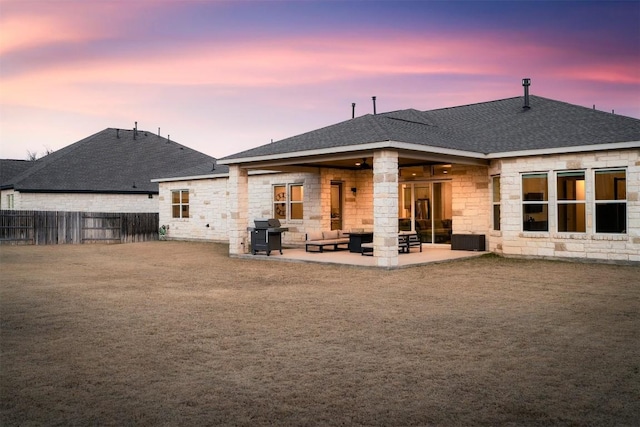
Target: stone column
{"x":385,"y":208}
{"x":238,"y":194}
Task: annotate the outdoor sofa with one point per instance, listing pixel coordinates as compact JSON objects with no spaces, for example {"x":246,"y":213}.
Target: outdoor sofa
{"x":320,"y":240}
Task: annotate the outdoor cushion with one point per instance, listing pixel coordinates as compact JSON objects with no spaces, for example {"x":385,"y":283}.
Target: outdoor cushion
{"x":333,"y":234}
{"x":314,"y":235}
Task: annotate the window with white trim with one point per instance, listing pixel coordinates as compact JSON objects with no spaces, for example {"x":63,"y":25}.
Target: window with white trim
{"x":288,"y":201}
{"x":570,"y":187}
{"x":10,"y":201}
{"x":611,"y":201}
{"x":180,"y":204}
{"x":496,"y":201}
{"x":535,"y":202}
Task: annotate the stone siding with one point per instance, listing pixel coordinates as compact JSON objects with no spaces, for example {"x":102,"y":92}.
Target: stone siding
{"x":209,"y":207}
{"x":471,"y":205}
{"x":511,"y":240}
{"x":208,"y":210}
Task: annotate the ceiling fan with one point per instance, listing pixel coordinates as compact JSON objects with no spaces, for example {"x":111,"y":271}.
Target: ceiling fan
{"x":363,"y":164}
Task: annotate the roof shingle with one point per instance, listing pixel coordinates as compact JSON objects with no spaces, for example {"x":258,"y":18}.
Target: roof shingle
{"x":110,"y":161}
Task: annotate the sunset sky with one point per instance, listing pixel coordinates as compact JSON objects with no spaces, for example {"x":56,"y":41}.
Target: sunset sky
{"x":222,"y":77}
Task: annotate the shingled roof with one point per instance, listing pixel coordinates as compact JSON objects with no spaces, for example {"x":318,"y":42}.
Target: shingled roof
{"x":111,"y":161}
{"x":494,"y":127}
{"x":10,"y":168}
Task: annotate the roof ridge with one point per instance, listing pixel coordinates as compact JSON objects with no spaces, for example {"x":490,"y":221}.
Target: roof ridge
{"x":476,"y":103}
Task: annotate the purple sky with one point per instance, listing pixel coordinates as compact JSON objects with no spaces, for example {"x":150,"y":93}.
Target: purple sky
{"x":222,"y":77}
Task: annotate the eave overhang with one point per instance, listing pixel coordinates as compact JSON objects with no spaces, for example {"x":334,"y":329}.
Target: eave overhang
{"x":408,"y":152}
{"x":325,"y":156}
{"x":566,"y":150}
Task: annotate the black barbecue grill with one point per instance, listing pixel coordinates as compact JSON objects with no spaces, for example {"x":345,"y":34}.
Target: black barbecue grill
{"x":266,"y":235}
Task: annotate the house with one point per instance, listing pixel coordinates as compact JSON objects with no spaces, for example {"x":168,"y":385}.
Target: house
{"x":9,"y":168}
{"x":109,"y":171}
{"x":532,"y":176}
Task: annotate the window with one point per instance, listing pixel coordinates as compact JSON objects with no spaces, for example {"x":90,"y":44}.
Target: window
{"x":288,"y":201}
{"x":535,"y":201}
{"x":611,"y":201}
{"x":296,"y":198}
{"x":280,"y":201}
{"x":10,"y":201}
{"x":180,"y":203}
{"x":571,"y":202}
{"x":496,"y":202}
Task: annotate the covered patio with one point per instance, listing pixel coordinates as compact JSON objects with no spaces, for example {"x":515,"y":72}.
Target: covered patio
{"x":430,"y":254}
{"x":390,"y":178}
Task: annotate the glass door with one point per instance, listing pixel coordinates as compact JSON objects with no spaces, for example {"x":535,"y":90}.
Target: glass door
{"x":425,"y":207}
{"x":336,"y":205}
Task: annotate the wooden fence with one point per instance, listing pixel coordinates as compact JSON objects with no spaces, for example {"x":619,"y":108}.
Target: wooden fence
{"x":50,"y":228}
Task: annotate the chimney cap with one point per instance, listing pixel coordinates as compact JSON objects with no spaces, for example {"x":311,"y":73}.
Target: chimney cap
{"x":526,"y":81}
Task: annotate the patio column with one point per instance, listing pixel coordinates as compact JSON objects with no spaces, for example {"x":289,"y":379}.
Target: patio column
{"x":238,"y":189}
{"x":385,"y":208}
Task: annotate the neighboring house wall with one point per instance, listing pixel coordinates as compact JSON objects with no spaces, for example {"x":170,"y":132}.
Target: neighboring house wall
{"x":82,"y":202}
{"x":512,"y":240}
{"x":7,"y":199}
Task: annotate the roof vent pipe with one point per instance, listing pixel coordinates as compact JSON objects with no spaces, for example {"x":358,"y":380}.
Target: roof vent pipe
{"x":526,"y":82}
{"x":353,"y":110}
{"x":374,"y":105}
{"x":118,"y":133}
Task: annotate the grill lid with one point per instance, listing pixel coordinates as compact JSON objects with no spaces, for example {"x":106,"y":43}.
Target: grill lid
{"x":267,"y":223}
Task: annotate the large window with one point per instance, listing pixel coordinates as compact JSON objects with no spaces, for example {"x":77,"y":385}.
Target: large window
{"x":611,"y":201}
{"x":571,"y":201}
{"x":496,"y":202}
{"x":180,"y":203}
{"x":288,"y":201}
{"x":535,"y":202}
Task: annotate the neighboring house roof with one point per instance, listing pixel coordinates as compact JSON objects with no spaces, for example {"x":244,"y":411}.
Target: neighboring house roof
{"x":111,"y":161}
{"x":496,"y":127}
{"x":10,"y":168}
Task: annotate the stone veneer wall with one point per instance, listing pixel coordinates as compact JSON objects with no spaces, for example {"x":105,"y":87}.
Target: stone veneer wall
{"x":512,"y":241}
{"x":357,"y":209}
{"x":208,"y":205}
{"x":83,"y":202}
{"x":471,"y":206}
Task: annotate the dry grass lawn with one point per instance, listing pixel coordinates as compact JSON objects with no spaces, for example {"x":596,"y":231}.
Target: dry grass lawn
{"x":175,"y":333}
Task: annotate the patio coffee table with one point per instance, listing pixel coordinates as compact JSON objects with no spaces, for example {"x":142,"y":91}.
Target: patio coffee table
{"x":356,"y":239}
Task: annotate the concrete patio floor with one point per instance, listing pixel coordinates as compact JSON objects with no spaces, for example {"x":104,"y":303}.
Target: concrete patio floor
{"x":430,"y":254}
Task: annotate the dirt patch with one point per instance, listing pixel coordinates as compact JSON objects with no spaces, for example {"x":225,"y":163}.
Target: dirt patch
{"x":175,"y":333}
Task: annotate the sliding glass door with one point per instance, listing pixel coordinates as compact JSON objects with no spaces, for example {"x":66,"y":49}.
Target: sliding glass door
{"x":425,"y":207}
